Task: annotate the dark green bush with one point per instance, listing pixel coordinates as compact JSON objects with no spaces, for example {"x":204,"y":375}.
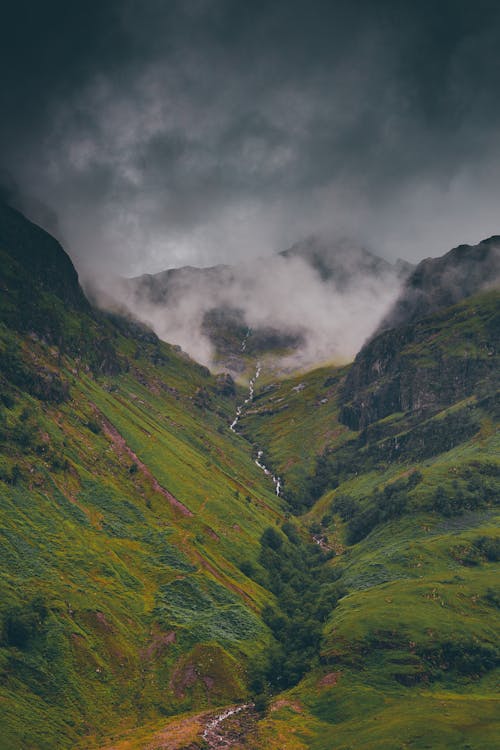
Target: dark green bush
{"x":464,"y":658}
{"x":23,"y":622}
{"x":383,"y":506}
{"x":271,"y":538}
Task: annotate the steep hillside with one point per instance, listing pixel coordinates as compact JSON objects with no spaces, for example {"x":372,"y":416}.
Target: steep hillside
{"x":422,"y":359}
{"x":421,"y":367}
{"x":408,"y":508}
{"x":41,"y":258}
{"x":127,"y":508}
{"x":440,"y":282}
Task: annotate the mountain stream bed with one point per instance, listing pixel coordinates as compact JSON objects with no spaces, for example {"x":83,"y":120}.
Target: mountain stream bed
{"x":228,"y":727}
{"x":239,"y":412}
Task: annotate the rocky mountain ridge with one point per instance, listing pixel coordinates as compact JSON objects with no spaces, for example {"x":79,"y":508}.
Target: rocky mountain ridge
{"x":386,"y":377}
{"x":41,"y":256}
{"x":444,"y":281}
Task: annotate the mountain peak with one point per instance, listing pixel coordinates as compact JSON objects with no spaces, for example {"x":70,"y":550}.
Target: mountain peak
{"x":444,"y":281}
{"x":41,"y":256}
{"x":296,"y":304}
{"x":342,"y":259}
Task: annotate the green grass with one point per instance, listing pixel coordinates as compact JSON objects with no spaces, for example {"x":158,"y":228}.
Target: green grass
{"x":108,"y":555}
{"x":412,"y":645}
{"x":119,"y":607}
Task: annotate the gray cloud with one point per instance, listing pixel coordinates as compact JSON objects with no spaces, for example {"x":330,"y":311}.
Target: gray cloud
{"x":194,"y":132}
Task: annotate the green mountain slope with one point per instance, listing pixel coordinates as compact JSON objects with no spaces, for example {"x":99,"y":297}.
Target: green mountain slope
{"x":127,"y":506}
{"x":409,"y":507}
{"x":150,"y":575}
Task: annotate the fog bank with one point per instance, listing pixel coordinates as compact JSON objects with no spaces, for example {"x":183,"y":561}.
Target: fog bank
{"x":326,"y":298}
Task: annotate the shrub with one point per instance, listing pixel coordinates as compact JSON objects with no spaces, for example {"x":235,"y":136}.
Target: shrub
{"x":291,"y":532}
{"x":21,"y":623}
{"x":271,"y":538}
{"x":383,"y":506}
{"x":489,"y":547}
{"x":465,"y":658}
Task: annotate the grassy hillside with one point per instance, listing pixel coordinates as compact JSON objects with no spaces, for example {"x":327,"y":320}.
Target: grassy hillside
{"x":409,"y":507}
{"x":127,"y":506}
{"x":126,"y":509}
{"x":149,"y":574}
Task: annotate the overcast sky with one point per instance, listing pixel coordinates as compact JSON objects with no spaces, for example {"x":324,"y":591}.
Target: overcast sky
{"x":156,"y":133}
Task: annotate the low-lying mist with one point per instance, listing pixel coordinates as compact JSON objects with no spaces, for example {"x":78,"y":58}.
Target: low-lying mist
{"x":326,"y":298}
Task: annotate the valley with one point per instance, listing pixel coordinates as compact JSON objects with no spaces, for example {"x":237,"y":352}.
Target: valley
{"x":191,"y":561}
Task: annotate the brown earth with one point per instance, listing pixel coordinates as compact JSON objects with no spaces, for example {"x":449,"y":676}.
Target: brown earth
{"x":330,"y":680}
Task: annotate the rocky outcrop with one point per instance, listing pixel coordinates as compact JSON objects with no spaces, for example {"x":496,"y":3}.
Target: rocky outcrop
{"x":225,"y":384}
{"x":424,"y":367}
{"x":409,"y":365}
{"x":343,"y":261}
{"x":440,"y":282}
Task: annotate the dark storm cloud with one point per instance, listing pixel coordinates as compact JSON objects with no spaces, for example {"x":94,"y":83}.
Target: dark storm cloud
{"x":170,"y":132}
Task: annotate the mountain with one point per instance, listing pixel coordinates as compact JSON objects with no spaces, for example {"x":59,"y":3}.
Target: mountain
{"x":394,"y":372}
{"x":344,"y":261}
{"x":156,"y":591}
{"x":407,"y":506}
{"x":127,"y":508}
{"x":290,"y":307}
{"x":441,"y":282}
{"x":40,"y":256}
{"x":159,"y":287}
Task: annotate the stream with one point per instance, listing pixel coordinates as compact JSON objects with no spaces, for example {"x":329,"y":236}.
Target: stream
{"x":216,"y":735}
{"x":276,"y":480}
{"x":239,"y":411}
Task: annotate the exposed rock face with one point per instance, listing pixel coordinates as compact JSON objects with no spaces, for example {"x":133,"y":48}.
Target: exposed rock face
{"x":386,"y":379}
{"x":441,"y":282}
{"x":410,"y":366}
{"x":225,"y":384}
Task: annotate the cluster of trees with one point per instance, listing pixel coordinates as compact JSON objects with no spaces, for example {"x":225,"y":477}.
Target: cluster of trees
{"x":393,"y":501}
{"x":466,"y":658}
{"x":458,"y":497}
{"x":21,"y":623}
{"x":361,"y":517}
{"x":383,"y":505}
{"x":306,"y":591}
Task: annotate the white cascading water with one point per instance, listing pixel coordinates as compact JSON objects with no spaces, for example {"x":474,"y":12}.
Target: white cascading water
{"x":239,"y":412}
{"x":211,"y":733}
